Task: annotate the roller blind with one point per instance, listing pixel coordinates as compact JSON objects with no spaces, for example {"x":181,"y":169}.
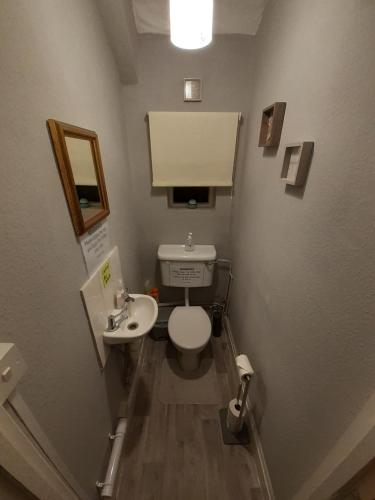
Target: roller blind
{"x":192,"y":149}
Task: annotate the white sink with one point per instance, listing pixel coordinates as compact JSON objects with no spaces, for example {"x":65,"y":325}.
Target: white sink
{"x":142,"y":314}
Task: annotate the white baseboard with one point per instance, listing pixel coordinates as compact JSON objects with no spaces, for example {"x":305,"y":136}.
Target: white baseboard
{"x":261,"y":461}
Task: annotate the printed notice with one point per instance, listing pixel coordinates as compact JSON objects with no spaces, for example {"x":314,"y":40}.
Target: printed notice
{"x":185,"y":276}
{"x":95,"y":246}
{"x":105,"y":274}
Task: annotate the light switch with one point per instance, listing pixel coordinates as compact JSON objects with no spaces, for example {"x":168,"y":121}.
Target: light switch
{"x":7,"y":374}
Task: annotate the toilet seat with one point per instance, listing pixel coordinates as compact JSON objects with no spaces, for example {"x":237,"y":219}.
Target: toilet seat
{"x":189,"y":327}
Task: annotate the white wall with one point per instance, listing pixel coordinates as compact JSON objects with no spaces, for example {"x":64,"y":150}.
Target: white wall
{"x":226,"y":70}
{"x":303,"y":296}
{"x":56,"y":63}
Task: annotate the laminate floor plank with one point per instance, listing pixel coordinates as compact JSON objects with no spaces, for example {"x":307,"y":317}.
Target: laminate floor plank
{"x":173,"y":483}
{"x":151,"y":482}
{"x":239,"y":477}
{"x":131,"y":465}
{"x":194,"y":474}
{"x":175,"y":451}
{"x":219,"y":351}
{"x":213,"y":461}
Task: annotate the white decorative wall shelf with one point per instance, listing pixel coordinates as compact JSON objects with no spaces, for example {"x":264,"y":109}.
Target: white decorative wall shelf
{"x":296,"y":162}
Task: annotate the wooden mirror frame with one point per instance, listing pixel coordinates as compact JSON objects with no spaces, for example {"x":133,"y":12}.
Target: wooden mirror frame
{"x":58,"y":131}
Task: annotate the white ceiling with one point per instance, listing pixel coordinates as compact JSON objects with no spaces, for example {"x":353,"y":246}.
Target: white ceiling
{"x":230,"y":16}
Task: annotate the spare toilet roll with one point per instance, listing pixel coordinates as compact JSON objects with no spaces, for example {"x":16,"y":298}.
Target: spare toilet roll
{"x":234,"y":422}
{"x":244,"y":367}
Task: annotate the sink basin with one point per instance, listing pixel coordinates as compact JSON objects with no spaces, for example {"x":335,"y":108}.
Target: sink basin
{"x":142,"y":314}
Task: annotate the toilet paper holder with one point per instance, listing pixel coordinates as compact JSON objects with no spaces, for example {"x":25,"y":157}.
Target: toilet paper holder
{"x":243,"y":390}
{"x":245,"y":372}
{"x":234,"y":429}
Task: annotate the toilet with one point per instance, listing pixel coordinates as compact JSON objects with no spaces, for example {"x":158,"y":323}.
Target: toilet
{"x":189,"y":327}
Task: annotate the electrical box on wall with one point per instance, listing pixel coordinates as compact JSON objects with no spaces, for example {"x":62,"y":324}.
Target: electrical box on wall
{"x":192,"y":90}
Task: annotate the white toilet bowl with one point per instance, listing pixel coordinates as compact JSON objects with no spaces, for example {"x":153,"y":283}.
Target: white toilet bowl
{"x":189,"y":329}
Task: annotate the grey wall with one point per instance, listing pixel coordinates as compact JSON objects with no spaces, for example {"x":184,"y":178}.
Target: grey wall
{"x":226,"y":70}
{"x":56,"y":63}
{"x":119,"y":25}
{"x":11,"y":490}
{"x":303,"y":296}
{"x":302,"y":304}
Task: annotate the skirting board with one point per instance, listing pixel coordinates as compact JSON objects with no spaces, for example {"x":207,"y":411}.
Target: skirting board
{"x":261,"y":461}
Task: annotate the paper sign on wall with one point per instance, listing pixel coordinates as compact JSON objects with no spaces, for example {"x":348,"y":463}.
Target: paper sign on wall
{"x":105,"y":274}
{"x":95,"y":246}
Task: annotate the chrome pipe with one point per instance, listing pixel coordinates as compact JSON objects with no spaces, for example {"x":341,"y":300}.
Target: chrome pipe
{"x":118,"y":441}
{"x":182,"y":303}
{"x":244,"y":396}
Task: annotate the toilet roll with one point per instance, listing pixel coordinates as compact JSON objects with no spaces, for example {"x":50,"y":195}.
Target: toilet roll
{"x":234,"y":422}
{"x":243,"y":366}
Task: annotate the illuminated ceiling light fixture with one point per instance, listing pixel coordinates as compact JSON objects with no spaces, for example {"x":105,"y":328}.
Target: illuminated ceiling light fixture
{"x":191,"y":23}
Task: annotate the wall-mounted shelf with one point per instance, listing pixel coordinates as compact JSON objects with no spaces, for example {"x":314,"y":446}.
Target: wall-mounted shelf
{"x":296,"y":163}
{"x":272,"y":124}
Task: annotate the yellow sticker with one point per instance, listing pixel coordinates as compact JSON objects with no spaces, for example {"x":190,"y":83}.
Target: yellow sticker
{"x":105,"y":273}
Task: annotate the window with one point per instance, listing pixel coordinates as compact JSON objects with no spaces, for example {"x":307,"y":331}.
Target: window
{"x":191,"y":197}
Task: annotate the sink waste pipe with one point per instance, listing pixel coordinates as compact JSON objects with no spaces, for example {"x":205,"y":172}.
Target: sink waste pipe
{"x":118,"y":440}
{"x":228,"y":263}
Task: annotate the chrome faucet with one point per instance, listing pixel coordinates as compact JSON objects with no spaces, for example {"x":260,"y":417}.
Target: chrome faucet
{"x":115,"y":320}
{"x":127,"y":297}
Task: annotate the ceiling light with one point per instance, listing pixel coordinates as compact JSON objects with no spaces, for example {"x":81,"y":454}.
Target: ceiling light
{"x":191,"y":23}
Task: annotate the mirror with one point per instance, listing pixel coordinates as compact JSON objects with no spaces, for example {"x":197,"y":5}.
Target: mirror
{"x":78,"y":158}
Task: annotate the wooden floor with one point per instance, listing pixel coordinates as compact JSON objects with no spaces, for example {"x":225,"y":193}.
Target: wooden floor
{"x":175,"y":452}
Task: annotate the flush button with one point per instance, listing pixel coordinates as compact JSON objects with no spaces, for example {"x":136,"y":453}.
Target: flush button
{"x":7,"y":374}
